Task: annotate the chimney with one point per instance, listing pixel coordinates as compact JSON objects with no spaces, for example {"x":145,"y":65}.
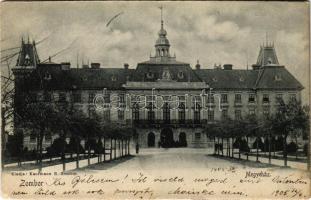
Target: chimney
{"x":126,"y":65}
{"x":197,"y":66}
{"x":255,"y":67}
{"x":217,"y":66}
{"x":65,"y":65}
{"x":95,"y":65}
{"x":227,"y":66}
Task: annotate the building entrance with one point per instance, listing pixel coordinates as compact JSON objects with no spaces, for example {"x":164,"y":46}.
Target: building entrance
{"x":167,"y":138}
{"x":151,"y":139}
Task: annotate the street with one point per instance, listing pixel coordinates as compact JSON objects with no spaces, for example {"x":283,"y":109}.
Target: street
{"x":174,"y":158}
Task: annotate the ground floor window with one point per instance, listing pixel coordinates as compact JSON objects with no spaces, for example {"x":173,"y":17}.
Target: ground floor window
{"x":197,"y":136}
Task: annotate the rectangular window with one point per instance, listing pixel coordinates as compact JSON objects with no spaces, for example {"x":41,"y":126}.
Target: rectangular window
{"x":92,"y":112}
{"x":76,"y":97}
{"x":135,"y":113}
{"x":266,"y":112}
{"x":62,"y":97}
{"x":292,"y":97}
{"x":238,"y":114}
{"x":251,"y":111}
{"x":197,"y":136}
{"x":224,"y":114}
{"x":151,"y":115}
{"x":197,"y":116}
{"x":224,"y":98}
{"x":33,"y":137}
{"x":210,"y":115}
{"x":210,"y":98}
{"x":122,"y":98}
{"x":48,"y":137}
{"x":121,"y":114}
{"x":265,"y":98}
{"x":47,"y":97}
{"x":91,"y":97}
{"x":238,"y":98}
{"x":106,"y":115}
{"x":251,"y":98}
{"x":279,"y":97}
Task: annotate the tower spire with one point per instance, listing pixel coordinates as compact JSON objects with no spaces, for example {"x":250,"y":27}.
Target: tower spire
{"x":161,"y":8}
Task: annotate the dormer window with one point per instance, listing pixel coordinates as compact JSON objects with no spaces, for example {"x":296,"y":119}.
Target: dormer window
{"x":47,"y":76}
{"x":241,"y":79}
{"x":113,"y":78}
{"x":277,"y":77}
{"x":180,"y":75}
{"x":150,"y":75}
{"x":214,"y":79}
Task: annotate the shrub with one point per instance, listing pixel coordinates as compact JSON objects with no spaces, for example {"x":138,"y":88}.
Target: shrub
{"x":58,"y":146}
{"x":292,"y":147}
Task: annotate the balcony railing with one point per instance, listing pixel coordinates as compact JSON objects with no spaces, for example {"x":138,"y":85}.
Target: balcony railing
{"x":174,"y":123}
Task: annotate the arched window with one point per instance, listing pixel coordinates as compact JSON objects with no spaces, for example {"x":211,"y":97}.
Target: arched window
{"x":182,"y":113}
{"x":135,"y":113}
{"x":151,"y":114}
{"x":197,"y":111}
{"x":166,"y":113}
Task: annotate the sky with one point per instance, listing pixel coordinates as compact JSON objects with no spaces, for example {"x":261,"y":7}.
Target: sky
{"x":211,"y":32}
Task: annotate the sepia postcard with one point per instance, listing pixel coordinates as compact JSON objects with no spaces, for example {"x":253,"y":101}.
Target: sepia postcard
{"x":155,"y":100}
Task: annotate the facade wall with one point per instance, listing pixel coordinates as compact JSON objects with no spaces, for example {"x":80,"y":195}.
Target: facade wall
{"x":87,"y":107}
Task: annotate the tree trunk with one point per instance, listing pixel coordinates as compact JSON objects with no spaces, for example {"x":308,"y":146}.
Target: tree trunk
{"x":296,"y":140}
{"x":285,"y":150}
{"x":240,"y":149}
{"x":308,"y":153}
{"x":110,"y":148}
{"x":115,"y":149}
{"x":119,"y":148}
{"x":104,"y":149}
{"x":41,"y":149}
{"x":269,"y":140}
{"x":3,"y":135}
{"x":232,"y":151}
{"x":128,"y":147}
{"x":88,"y":152}
{"x":247,"y":148}
{"x":257,"y":150}
{"x":228,"y":147}
{"x":122,"y":147}
{"x":63,"y":153}
{"x":218,"y":146}
{"x":77,"y":151}
{"x":274,"y":149}
{"x":214,"y":145}
{"x":222,"y":146}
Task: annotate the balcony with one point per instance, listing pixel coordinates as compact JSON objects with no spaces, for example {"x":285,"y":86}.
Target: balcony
{"x":265,"y":102}
{"x":170,"y":123}
{"x":238,"y":103}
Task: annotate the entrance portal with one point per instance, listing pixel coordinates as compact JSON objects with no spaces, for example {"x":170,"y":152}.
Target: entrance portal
{"x":167,"y":138}
{"x":182,"y":139}
{"x":151,"y":138}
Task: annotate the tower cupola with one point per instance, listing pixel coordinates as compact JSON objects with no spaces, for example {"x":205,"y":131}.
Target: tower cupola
{"x":162,"y":45}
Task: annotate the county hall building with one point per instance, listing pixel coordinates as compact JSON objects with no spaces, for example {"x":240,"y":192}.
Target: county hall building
{"x":168,"y":102}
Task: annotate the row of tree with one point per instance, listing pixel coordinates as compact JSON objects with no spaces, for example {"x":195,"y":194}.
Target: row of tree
{"x":44,"y":118}
{"x":291,"y":119}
